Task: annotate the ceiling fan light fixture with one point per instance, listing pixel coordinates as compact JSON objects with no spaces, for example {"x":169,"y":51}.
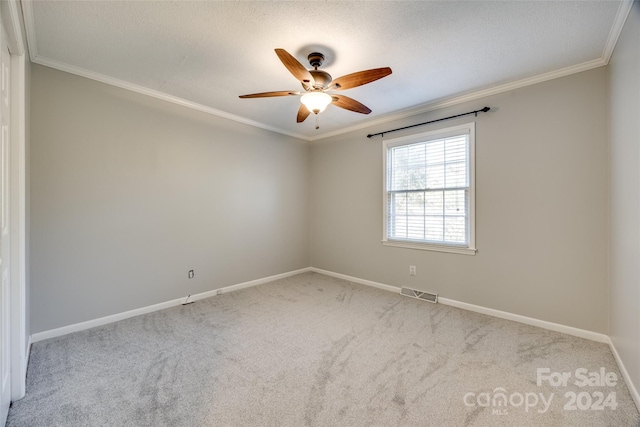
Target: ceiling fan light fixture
{"x":316,"y":102}
{"x":317,"y":82}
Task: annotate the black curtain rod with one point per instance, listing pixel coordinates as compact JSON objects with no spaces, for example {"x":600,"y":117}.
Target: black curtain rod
{"x":484,"y":110}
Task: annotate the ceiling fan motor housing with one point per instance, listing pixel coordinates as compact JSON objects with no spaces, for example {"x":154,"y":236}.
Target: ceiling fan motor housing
{"x":315,"y":59}
{"x":321,"y":78}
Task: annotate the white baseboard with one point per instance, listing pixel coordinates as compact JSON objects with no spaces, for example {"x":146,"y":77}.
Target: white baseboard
{"x":52,"y":333}
{"x":357,"y":280}
{"x":627,"y":379}
{"x":237,"y":287}
{"x":594,"y":336}
{"x":569,"y":330}
{"x":76,"y":327}
{"x":261,"y":281}
{"x":446,"y":301}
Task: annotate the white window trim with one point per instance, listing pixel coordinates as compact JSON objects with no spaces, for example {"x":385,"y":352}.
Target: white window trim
{"x":469,"y":249}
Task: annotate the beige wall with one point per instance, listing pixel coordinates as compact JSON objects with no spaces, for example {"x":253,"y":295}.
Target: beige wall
{"x":128,"y":193}
{"x":624,"y":101}
{"x":541,"y":176}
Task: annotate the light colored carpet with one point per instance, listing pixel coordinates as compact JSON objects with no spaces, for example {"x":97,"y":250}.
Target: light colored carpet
{"x":312,"y":350}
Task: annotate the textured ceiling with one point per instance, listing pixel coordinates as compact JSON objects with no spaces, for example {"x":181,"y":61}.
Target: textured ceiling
{"x":206,"y":53}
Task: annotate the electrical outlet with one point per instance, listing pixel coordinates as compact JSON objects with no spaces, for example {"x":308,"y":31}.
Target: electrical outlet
{"x":191,"y":274}
{"x":412,"y":270}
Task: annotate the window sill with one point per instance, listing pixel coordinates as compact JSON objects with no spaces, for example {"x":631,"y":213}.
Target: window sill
{"x":430,"y":247}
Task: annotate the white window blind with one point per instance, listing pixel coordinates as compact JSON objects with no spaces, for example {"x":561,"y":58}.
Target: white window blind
{"x":429,"y":188}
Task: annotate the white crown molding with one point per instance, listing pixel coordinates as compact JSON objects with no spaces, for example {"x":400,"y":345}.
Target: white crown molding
{"x":32,"y":46}
{"x":618,"y":24}
{"x":159,"y":95}
{"x":11,"y":14}
{"x":424,"y":108}
{"x":623,"y":12}
{"x":30,"y":29}
{"x":459,"y":99}
{"x":621,"y":17}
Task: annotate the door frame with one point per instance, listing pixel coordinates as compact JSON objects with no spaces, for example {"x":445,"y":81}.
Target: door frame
{"x":12,"y":21}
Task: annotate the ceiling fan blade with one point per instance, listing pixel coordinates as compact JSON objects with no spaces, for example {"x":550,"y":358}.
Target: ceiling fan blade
{"x":296,"y":68}
{"x":303,"y":113}
{"x":268,"y":94}
{"x":349,"y":104}
{"x":360,"y":78}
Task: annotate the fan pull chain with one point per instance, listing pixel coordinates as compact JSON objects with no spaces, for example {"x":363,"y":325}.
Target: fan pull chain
{"x":317,"y":121}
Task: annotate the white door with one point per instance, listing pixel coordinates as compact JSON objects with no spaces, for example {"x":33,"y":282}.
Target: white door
{"x":5,"y":371}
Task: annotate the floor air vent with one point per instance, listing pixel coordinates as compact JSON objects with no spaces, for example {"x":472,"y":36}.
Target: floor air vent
{"x":419,"y":294}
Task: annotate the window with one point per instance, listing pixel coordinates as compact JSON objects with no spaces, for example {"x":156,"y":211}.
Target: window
{"x":429,"y":190}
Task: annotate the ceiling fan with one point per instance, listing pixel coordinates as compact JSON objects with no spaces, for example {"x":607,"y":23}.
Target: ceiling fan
{"x":316,"y":83}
